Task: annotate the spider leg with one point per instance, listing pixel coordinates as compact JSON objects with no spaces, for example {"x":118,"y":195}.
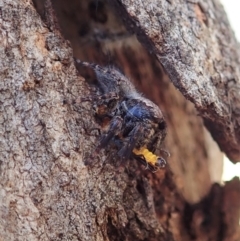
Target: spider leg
{"x":165,"y":152}
{"x":153,"y":169}
{"x":147,"y":166}
{"x":146,"y":163}
{"x":161,"y":151}
{"x":115,"y":127}
{"x":142,"y":160}
{"x":133,"y":137}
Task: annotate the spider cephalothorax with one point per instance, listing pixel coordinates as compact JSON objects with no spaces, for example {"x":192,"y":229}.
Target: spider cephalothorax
{"x":136,"y":123}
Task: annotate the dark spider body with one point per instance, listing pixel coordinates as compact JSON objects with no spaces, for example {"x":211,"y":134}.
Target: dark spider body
{"x":135,"y":121}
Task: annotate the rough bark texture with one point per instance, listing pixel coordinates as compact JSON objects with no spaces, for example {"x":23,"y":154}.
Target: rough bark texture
{"x":196,"y":46}
{"x":46,"y":191}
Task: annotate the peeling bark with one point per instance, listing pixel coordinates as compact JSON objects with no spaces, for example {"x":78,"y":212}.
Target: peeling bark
{"x":194,"y":42}
{"x":46,"y":191}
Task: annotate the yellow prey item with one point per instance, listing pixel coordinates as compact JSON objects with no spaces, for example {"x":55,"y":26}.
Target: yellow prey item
{"x":148,"y":156}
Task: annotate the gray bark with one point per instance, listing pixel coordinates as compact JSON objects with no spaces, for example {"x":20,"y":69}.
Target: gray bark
{"x":46,"y":191}
{"x":40,"y":137}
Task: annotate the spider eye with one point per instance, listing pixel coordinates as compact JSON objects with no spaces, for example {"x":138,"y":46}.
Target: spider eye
{"x":161,"y":163}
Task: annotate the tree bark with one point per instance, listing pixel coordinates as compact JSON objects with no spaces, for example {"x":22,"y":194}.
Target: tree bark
{"x":46,"y":191}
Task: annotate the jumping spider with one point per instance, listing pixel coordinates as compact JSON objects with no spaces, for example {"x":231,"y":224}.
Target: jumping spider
{"x":136,"y":125}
